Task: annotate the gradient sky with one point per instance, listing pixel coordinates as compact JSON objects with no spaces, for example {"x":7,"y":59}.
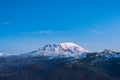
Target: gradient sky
{"x":26,"y":25}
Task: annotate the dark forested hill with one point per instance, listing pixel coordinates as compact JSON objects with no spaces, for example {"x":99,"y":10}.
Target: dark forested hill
{"x":95,"y":66}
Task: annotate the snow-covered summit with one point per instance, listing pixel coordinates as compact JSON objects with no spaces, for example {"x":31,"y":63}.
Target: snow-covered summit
{"x":68,"y":49}
{"x":71,"y":45}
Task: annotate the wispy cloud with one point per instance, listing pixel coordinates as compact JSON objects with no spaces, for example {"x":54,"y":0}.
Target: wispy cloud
{"x":96,"y":32}
{"x":42,"y":32}
{"x":5,"y":22}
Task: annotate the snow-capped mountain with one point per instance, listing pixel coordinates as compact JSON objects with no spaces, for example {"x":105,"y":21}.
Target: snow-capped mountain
{"x":106,"y":54}
{"x":65,"y":50}
{"x":68,"y":49}
{"x":110,"y":54}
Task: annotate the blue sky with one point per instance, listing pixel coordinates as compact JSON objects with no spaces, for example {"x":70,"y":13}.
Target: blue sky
{"x":26,"y":25}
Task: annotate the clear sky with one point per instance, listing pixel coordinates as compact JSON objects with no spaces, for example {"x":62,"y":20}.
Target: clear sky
{"x":26,"y":25}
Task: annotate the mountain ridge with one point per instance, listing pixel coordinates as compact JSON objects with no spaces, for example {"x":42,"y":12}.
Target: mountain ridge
{"x":83,"y":66}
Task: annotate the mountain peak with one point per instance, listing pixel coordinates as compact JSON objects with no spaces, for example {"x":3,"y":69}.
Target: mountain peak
{"x":108,"y":51}
{"x":70,"y":45}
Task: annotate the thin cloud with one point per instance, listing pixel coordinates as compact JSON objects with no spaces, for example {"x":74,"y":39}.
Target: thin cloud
{"x":43,"y":32}
{"x":96,"y":32}
{"x":6,"y":22}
